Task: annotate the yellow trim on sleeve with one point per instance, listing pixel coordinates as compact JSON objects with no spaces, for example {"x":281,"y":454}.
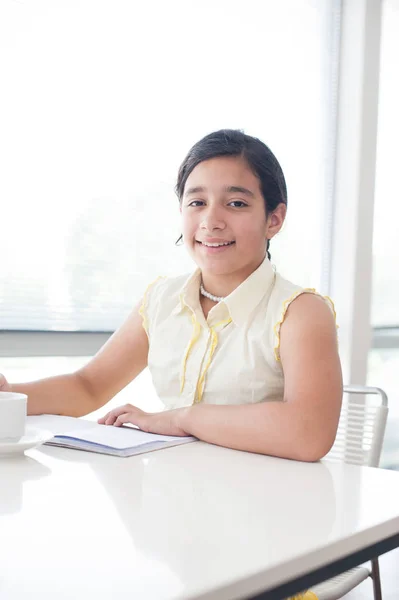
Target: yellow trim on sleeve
{"x":332,"y":306}
{"x":286,"y":305}
{"x":142,"y":309}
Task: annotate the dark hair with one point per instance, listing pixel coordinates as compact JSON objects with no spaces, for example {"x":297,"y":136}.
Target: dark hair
{"x":234,"y":142}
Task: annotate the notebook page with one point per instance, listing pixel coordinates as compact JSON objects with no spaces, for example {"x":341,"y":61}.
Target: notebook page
{"x":113,"y":437}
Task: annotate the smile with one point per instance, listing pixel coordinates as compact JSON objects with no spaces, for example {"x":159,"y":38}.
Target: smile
{"x":215,"y":244}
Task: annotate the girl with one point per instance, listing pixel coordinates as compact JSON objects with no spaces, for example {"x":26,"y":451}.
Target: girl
{"x":239,"y":356}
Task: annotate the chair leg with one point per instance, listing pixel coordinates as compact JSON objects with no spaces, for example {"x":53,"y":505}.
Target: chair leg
{"x":375,"y":574}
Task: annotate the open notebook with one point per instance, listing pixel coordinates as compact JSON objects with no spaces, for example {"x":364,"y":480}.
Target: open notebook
{"x":82,"y":434}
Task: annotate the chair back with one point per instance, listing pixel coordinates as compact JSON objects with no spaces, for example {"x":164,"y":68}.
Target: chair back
{"x":361,"y":428}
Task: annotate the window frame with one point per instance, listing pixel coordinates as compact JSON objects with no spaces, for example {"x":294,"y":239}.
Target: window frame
{"x":350,"y":282}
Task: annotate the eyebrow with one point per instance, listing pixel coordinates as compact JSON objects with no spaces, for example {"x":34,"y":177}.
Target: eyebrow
{"x":235,"y":189}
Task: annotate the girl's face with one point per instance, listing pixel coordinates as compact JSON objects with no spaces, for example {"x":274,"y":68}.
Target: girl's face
{"x":224,"y":218}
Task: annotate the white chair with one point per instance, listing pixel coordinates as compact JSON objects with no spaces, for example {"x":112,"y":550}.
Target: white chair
{"x":359,"y":441}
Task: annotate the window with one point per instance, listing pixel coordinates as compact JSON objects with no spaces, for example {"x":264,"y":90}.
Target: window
{"x":385,"y":308}
{"x":103,"y":102}
{"x":383,"y":365}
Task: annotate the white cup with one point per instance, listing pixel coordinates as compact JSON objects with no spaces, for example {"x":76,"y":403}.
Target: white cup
{"x":13,"y":408}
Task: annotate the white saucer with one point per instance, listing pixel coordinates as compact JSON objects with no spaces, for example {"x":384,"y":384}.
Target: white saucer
{"x":33,"y":437}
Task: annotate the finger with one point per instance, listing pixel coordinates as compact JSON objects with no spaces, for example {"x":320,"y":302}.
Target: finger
{"x":110,"y":420}
{"x":102,"y":420}
{"x":124,"y":418}
{"x":135,"y":416}
{"x":105,"y":417}
{"x":110,"y":417}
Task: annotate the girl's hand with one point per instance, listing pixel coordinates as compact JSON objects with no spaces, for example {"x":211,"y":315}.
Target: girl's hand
{"x":4,"y":385}
{"x":164,"y":423}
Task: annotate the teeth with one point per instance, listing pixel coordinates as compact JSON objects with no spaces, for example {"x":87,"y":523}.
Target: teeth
{"x":216,"y":245}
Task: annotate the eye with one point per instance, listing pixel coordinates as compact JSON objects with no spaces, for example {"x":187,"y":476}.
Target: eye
{"x":196,"y":203}
{"x":238,"y":203}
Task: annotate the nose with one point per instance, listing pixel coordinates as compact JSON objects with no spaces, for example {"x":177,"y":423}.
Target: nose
{"x":212,"y":219}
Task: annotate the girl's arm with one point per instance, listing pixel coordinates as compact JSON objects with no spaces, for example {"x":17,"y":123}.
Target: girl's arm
{"x":117,"y":363}
{"x":303,"y":427}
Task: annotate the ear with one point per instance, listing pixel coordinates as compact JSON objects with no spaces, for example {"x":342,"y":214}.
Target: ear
{"x":275,"y":220}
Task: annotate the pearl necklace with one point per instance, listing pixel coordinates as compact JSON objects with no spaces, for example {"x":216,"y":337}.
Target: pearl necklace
{"x":210,"y":296}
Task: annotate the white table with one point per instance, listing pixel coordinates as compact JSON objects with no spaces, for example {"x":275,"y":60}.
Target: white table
{"x":194,"y":521}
